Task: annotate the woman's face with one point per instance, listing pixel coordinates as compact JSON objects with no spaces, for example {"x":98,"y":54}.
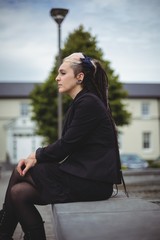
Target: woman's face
{"x":67,"y":81}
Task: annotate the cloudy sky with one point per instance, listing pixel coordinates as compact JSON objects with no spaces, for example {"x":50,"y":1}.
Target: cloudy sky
{"x":128,"y":32}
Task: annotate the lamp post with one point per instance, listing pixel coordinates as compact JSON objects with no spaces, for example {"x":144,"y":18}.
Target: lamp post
{"x":58,"y":15}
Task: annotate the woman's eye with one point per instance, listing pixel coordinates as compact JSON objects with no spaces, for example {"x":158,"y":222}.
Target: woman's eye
{"x":63,"y":73}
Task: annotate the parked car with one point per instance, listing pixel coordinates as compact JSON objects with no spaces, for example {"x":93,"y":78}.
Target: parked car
{"x":133,"y":161}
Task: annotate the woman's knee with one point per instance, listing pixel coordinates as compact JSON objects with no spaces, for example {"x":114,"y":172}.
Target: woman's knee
{"x":17,"y":192}
{"x":15,"y":175}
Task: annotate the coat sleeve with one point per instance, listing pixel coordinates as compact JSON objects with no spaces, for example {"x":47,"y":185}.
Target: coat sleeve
{"x":87,"y":114}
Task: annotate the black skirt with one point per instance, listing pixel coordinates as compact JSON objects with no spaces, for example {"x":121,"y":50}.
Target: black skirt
{"x":57,"y":186}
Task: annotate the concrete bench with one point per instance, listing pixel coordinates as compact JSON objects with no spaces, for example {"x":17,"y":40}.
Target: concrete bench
{"x":119,"y":218}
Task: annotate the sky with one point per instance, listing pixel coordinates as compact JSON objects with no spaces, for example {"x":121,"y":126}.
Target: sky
{"x":127,"y":31}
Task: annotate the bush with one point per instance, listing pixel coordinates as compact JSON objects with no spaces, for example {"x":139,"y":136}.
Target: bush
{"x":154,"y":163}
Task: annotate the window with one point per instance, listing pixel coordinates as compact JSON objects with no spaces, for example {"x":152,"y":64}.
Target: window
{"x":146,"y":140}
{"x":145,"y":109}
{"x":24,"y":109}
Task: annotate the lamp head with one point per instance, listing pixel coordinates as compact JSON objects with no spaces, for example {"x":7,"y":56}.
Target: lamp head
{"x":58,"y":14}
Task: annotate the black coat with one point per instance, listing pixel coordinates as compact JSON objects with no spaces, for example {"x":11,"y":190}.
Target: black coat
{"x":88,"y":147}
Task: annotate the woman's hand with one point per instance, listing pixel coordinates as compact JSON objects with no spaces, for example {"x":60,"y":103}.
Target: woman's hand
{"x":25,"y":164}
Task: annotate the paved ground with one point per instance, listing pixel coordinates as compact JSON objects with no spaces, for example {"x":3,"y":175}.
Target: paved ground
{"x":44,"y":210}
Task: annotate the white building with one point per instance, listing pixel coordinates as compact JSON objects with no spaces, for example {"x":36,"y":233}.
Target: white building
{"x":17,"y":137}
{"x":142,"y":136}
{"x":17,"y":131}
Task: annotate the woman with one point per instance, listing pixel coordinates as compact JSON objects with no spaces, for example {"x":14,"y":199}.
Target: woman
{"x":81,"y":166}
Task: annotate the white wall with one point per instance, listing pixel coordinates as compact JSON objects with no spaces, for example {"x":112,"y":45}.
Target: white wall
{"x":132,"y":135}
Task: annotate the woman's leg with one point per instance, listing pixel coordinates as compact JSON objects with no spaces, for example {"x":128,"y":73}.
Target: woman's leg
{"x":8,"y":218}
{"x":11,"y":213}
{"x":24,"y":196}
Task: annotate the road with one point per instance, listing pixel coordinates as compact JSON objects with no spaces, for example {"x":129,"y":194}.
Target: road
{"x":143,"y":183}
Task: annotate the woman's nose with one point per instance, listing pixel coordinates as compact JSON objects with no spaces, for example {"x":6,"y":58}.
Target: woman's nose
{"x":57,"y":78}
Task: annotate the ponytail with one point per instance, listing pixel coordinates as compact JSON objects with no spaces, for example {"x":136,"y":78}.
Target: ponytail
{"x":95,"y":80}
{"x":101,"y":82}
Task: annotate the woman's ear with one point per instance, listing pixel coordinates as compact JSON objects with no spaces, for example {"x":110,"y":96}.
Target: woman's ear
{"x":80,"y":77}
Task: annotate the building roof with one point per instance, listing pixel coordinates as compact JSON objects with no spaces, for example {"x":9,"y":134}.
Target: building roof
{"x":23,"y":89}
{"x":16,"y":90}
{"x":143,"y":90}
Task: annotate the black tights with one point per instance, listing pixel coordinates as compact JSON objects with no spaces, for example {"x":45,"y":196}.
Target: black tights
{"x":21,"y":195}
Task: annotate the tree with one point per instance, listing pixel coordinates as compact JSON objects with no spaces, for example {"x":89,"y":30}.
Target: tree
{"x":44,"y":96}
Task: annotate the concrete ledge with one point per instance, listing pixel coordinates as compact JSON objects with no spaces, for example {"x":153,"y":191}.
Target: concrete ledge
{"x":119,"y":218}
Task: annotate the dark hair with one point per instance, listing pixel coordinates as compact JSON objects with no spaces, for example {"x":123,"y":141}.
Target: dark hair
{"x":98,"y":82}
{"x":95,"y":78}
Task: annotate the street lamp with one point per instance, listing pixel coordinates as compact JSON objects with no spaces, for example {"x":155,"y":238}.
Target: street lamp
{"x":58,"y":15}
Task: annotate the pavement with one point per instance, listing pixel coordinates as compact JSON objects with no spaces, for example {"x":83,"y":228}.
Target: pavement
{"x":45,"y":211}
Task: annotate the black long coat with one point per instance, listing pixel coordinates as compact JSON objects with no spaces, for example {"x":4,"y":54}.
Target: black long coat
{"x":88,"y":147}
